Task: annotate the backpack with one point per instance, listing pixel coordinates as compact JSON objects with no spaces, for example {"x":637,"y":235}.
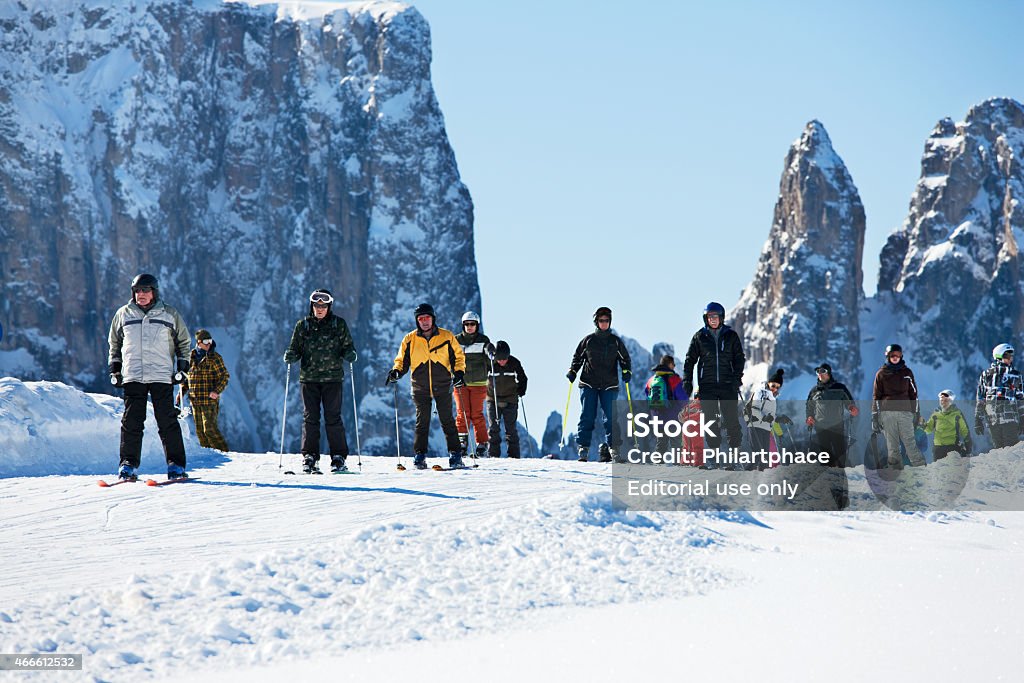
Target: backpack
{"x":658,"y":391}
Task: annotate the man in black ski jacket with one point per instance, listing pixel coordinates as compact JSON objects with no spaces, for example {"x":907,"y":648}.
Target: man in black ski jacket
{"x":717,"y":353}
{"x":828,"y":403}
{"x":600,"y":355}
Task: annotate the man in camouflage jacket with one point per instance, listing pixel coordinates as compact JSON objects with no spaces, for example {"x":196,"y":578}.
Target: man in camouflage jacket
{"x":323,"y":344}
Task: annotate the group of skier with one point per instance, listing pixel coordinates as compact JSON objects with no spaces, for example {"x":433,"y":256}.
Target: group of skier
{"x":150,"y":352}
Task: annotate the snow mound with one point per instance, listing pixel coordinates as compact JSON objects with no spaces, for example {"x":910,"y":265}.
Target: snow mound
{"x":49,"y":428}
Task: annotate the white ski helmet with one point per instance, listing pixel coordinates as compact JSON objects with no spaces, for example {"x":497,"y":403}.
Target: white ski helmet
{"x":470,"y":316}
{"x":949,"y":393}
{"x":1000,"y":351}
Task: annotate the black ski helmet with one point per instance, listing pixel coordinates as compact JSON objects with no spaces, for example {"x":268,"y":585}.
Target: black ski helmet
{"x":893,"y":348}
{"x":313,"y":295}
{"x":714,"y":307}
{"x":602,"y":311}
{"x":425,"y":309}
{"x":146,"y":280}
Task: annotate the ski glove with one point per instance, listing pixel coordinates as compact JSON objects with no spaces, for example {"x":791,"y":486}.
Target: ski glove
{"x":392,"y":377}
{"x":458,"y":379}
{"x":783,"y":420}
{"x":179,"y":376}
{"x":352,"y":357}
{"x":521,"y":392}
{"x":688,"y":388}
{"x":626,"y":374}
{"x":290,"y":357}
{"x":854,"y":411}
{"x":876,"y":423}
{"x":115,"y":374}
{"x":810,"y":421}
{"x":489,"y":350}
{"x":979,"y":426}
{"x":571,"y":375}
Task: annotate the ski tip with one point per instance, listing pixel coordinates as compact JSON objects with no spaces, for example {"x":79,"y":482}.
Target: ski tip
{"x":152,"y":482}
{"x":437,"y":468}
{"x":102,"y":484}
{"x":401,"y":468}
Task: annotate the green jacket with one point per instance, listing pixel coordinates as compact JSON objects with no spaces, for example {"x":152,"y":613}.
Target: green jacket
{"x":323,"y":347}
{"x":474,"y":346}
{"x":945,"y":423}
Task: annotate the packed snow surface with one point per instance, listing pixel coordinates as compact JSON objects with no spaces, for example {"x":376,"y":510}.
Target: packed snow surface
{"x":516,"y":568}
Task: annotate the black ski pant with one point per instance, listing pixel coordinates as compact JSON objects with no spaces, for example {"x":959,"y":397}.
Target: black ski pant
{"x":508,"y":411}
{"x":443,"y":401}
{"x":134,"y":420}
{"x":724,"y":410}
{"x":1004,"y":434}
{"x":940,"y":452}
{"x":328,"y":395}
{"x":834,"y":443}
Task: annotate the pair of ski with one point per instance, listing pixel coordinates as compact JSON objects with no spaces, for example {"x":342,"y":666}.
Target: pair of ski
{"x":319,"y":472}
{"x":149,"y":482}
{"x":438,"y":468}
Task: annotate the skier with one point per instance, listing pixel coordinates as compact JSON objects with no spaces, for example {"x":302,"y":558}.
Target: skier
{"x":469,"y":400}
{"x":665,"y":394}
{"x":434,"y":357}
{"x":322,"y":343}
{"x":894,"y":408}
{"x":148,"y":347}
{"x":207,"y":379}
{"x":828,"y":403}
{"x":952,"y":434}
{"x":507,"y":386}
{"x":717,"y":353}
{"x":761,"y":414}
{"x":599,"y":354}
{"x":1000,"y":399}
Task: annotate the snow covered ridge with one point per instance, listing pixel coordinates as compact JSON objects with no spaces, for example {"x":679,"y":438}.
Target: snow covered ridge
{"x":49,"y":428}
{"x":226,"y":148}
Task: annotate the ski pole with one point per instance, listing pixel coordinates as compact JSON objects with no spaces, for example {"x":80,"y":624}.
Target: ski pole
{"x":398,"y":436}
{"x":284,"y":415}
{"x":565,"y":416}
{"x":630,"y":400}
{"x":355,"y":416}
{"x":526,"y":422}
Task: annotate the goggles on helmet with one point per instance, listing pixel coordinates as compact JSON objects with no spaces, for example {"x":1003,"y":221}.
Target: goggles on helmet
{"x":321,"y":298}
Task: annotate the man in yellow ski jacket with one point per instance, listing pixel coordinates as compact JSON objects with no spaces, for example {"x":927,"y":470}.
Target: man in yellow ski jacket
{"x":435,"y":361}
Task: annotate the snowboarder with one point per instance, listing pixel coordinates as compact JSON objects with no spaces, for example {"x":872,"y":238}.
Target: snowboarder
{"x":149,"y":344}
{"x":469,"y":400}
{"x":207,"y":379}
{"x":322,"y":343}
{"x":761,"y":415}
{"x":434,"y":358}
{"x":895,"y":409}
{"x":952,"y":435}
{"x":717,"y":353}
{"x":828,"y":403}
{"x":1000,"y":399}
{"x":599,"y":354}
{"x":507,"y":385}
{"x":665,"y":394}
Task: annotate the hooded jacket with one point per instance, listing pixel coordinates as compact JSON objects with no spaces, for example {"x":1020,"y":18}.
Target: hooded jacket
{"x":474,"y":347}
{"x":206,"y":373}
{"x":432,"y":358}
{"x":719,"y":360}
{"x":148,"y":344}
{"x":894,"y":389}
{"x":322,"y":346}
{"x":1000,"y":395}
{"x":828,"y":403}
{"x":949,"y":425}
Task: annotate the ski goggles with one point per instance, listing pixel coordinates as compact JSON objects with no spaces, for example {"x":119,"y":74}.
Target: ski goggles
{"x":322,"y":298}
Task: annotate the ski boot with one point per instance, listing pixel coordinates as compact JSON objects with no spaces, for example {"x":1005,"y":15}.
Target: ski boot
{"x":338,"y":464}
{"x":420,"y":461}
{"x":604,"y":453}
{"x":616,"y":456}
{"x":481,"y":450}
{"x":176,"y":472}
{"x":127,"y":472}
{"x":310,"y":464}
{"x":455,"y":461}
{"x":584,"y":454}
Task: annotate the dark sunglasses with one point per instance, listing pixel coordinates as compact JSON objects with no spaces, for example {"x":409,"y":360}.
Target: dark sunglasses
{"x":144,"y":290}
{"x":604,"y":320}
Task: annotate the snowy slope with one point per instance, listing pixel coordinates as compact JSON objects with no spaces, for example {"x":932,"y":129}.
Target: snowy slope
{"x":516,"y":568}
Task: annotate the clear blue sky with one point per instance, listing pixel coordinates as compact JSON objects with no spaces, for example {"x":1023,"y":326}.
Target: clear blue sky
{"x":609,"y":146}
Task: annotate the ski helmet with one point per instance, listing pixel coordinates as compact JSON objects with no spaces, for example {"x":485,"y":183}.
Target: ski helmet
{"x":714,"y":307}
{"x":949,"y":393}
{"x":893,"y":348}
{"x":320,"y":296}
{"x":425,"y":309}
{"x":1000,"y":351}
{"x":470,"y":316}
{"x":601,"y":312}
{"x":502,"y":351}
{"x":146,"y":280}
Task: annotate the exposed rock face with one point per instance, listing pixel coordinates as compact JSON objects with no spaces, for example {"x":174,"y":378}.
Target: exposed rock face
{"x":802,"y":306}
{"x":245,"y":156}
{"x":952,"y":273}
